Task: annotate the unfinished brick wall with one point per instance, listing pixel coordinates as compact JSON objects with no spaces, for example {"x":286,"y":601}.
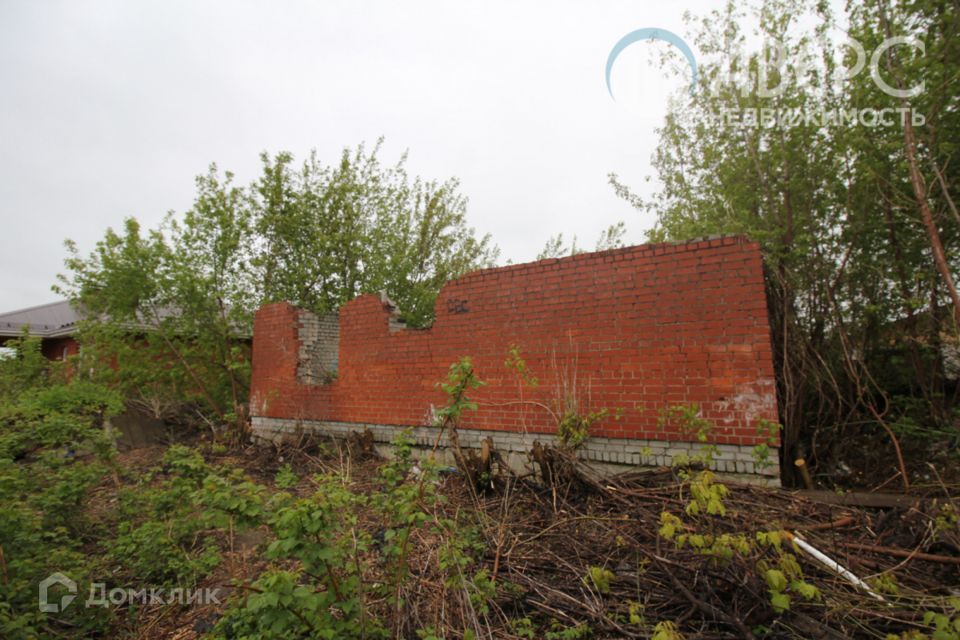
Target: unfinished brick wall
{"x":632,"y":330}
{"x":318,"y":358}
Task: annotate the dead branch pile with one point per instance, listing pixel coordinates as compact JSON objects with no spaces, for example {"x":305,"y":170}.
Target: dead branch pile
{"x":566,"y":554}
{"x":568,"y":550}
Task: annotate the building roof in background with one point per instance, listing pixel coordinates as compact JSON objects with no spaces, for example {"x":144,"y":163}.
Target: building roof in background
{"x":59,"y":319}
{"x":47,"y":320}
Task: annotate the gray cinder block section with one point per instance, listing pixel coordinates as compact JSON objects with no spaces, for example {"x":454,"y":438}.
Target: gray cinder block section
{"x":608,"y":455}
{"x":319,"y":355}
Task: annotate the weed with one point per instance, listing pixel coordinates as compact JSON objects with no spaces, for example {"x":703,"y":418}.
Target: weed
{"x":770,"y":432}
{"x":574,"y":428}
{"x":599,"y":578}
{"x":687,"y":420}
{"x":518,"y":365}
{"x":286,"y":478}
{"x":666,"y":630}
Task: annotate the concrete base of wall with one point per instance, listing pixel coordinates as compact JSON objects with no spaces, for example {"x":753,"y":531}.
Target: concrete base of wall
{"x":607,"y":455}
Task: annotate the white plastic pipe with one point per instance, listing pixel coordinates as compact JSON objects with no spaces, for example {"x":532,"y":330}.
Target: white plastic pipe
{"x":832,"y":564}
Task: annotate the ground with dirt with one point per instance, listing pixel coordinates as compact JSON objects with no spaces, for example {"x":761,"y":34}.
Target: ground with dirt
{"x":561,"y":553}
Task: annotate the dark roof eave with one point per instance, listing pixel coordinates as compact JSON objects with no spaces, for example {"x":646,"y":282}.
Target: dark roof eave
{"x":67,"y":332}
{"x":34,"y":333}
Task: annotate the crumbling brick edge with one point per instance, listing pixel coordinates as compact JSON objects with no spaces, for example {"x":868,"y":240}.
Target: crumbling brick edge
{"x":607,"y":455}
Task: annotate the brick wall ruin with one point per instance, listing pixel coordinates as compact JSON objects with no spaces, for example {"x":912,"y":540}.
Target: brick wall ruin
{"x":633,"y":331}
{"x":318,"y":357}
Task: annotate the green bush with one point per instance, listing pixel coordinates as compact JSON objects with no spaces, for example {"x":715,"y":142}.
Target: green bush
{"x":53,"y":449}
{"x":165,"y":553}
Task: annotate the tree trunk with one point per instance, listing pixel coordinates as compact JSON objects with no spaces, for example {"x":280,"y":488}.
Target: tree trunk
{"x":917,"y":182}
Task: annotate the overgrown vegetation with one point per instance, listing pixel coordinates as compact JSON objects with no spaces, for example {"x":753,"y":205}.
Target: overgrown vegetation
{"x":160,"y":530}
{"x":858,"y":222}
{"x":325,"y":541}
{"x":53,"y":450}
{"x":182,"y":296}
{"x":316,"y":541}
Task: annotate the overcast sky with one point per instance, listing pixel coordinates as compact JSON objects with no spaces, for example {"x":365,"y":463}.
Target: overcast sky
{"x":109,"y":109}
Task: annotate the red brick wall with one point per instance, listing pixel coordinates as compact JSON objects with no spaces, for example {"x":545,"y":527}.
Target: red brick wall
{"x":643,"y":328}
{"x":56,"y":348}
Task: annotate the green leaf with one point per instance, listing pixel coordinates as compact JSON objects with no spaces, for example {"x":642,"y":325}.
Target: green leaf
{"x":805,"y":589}
{"x":775,"y":579}
{"x":780,"y":601}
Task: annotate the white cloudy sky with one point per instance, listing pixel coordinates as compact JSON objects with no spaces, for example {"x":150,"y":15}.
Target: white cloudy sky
{"x":109,"y":109}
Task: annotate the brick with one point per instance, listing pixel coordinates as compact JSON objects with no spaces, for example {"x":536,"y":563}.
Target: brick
{"x":643,"y":328}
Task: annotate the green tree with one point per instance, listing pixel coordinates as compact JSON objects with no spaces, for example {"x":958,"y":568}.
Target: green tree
{"x":170,"y":310}
{"x":610,"y":238}
{"x":859,"y":301}
{"x":331,"y":233}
